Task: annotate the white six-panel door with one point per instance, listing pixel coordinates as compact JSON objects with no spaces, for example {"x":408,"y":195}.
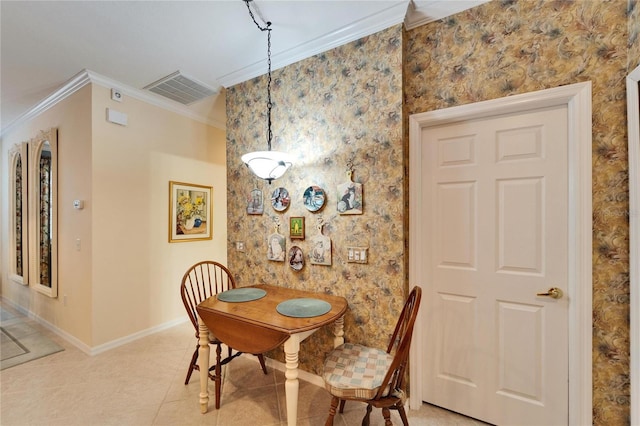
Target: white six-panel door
{"x":496,"y":191}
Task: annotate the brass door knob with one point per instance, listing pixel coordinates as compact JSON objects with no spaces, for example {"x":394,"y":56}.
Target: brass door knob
{"x":553,"y":292}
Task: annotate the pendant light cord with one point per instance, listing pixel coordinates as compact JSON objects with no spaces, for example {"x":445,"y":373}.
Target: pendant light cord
{"x":267,"y":28}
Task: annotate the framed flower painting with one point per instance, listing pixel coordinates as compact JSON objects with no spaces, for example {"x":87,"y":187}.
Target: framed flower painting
{"x":190,"y":212}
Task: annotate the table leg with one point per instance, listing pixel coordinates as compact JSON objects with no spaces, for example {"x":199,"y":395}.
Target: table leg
{"x":291,"y":349}
{"x":338,"y":332}
{"x":203,"y":364}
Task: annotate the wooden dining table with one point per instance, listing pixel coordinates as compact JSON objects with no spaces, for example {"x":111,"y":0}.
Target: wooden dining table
{"x":257,"y":326}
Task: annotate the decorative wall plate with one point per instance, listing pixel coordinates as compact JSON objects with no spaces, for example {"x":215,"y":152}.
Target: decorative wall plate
{"x":280,"y":199}
{"x":296,"y":258}
{"x":314,"y":198}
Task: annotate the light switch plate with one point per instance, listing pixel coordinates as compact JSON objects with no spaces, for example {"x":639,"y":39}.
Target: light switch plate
{"x":357,"y":254}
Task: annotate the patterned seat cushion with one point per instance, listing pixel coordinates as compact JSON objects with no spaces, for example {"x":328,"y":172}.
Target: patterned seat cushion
{"x":355,"y":371}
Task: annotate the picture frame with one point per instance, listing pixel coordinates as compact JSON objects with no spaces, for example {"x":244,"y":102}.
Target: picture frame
{"x":190,"y":212}
{"x":255,"y":202}
{"x":296,"y":228}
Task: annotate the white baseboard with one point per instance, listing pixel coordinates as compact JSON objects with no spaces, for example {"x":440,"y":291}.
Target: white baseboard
{"x":135,"y":336}
{"x":96,"y":349}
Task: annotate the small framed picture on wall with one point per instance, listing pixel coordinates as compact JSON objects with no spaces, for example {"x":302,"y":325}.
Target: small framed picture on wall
{"x":255,"y":203}
{"x":296,"y":228}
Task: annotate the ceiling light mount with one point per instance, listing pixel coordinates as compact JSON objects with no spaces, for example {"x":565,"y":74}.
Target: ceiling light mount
{"x":268,"y":165}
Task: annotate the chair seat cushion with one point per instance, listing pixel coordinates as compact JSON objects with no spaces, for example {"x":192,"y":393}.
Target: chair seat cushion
{"x":355,"y":371}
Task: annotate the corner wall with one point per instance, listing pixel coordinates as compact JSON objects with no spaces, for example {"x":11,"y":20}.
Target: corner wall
{"x":136,"y":270}
{"x":342,"y":106}
{"x":633,"y":8}
{"x":125,"y":278}
{"x":72,"y":117}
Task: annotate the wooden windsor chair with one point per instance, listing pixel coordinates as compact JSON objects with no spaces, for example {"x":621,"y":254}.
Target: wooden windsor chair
{"x":201,"y":281}
{"x":370,"y":375}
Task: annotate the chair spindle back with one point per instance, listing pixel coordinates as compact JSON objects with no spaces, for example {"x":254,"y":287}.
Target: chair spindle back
{"x":400,"y":343}
{"x":203,"y":280}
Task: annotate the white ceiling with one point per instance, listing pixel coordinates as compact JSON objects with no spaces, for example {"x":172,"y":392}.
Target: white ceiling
{"x":131,"y":44}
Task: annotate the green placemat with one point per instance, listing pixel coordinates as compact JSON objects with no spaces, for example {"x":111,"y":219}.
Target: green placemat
{"x":242,"y":294}
{"x":303,"y":307}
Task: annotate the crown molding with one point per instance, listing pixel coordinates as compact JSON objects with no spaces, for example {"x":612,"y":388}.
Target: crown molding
{"x":422,"y":12}
{"x":415,"y":17}
{"x":372,"y":24}
{"x":85,"y":77}
{"x":152,"y":99}
{"x":74,"y":84}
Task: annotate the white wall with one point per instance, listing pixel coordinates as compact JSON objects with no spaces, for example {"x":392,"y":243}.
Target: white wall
{"x":138,"y":270}
{"x":125,"y":278}
{"x":72,"y":117}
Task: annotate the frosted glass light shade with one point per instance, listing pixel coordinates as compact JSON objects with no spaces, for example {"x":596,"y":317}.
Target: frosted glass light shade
{"x":267,"y":165}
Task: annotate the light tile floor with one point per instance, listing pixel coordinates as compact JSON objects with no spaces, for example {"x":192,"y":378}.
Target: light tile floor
{"x":142,"y":383}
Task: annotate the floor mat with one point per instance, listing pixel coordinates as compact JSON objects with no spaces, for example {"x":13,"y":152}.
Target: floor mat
{"x":20,"y":343}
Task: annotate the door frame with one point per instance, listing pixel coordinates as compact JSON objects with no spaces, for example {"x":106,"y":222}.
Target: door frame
{"x":577,"y":98}
{"x":633,"y":129}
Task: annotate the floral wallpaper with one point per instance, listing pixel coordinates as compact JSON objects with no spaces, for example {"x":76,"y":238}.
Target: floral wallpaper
{"x":336,"y":112}
{"x":348,"y":108}
{"x":633,"y":9}
{"x":508,"y":47}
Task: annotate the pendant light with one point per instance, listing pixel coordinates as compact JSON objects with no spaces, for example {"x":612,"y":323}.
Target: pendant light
{"x":268,"y":165}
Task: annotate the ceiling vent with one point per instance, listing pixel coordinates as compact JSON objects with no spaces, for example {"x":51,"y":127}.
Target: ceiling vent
{"x":180,"y":88}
